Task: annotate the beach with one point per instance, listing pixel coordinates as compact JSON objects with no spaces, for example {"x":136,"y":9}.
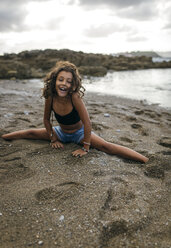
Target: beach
{"x":50,"y":199}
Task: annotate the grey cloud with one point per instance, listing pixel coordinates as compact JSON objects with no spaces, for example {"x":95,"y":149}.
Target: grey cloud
{"x":11,"y":19}
{"x":143,"y":13}
{"x":115,"y":3}
{"x":104,"y":30}
{"x":53,"y":23}
{"x":18,"y":2}
{"x":136,"y":39}
{"x":167,"y":26}
{"x":132,"y":9}
{"x":71,"y":2}
{"x":12,"y":14}
{"x":167,"y":16}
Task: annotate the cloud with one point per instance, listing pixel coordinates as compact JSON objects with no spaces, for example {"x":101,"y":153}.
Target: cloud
{"x":133,"y":9}
{"x":52,"y":24}
{"x":166,"y":16}
{"x":167,"y":26}
{"x":113,"y":3}
{"x":136,"y":39}
{"x":104,"y":30}
{"x":144,"y":12}
{"x":11,"y":18}
{"x":12,"y":14}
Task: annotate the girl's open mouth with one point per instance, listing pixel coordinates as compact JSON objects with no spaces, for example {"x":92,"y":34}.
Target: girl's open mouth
{"x":63,"y":88}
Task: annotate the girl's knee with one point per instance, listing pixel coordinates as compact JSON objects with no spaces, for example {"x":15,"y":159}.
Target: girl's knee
{"x":31,"y":133}
{"x":110,"y":148}
{"x":105,"y":146}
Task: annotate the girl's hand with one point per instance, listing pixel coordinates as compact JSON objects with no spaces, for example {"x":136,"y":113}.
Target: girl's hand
{"x":56,"y":144}
{"x":79,"y":153}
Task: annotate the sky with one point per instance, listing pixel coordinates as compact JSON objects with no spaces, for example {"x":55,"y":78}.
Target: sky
{"x":97,"y":26}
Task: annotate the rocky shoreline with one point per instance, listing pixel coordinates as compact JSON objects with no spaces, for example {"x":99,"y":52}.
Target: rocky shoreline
{"x":51,"y":199}
{"x":37,"y":63}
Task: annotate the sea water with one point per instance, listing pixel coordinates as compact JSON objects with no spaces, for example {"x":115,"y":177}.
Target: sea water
{"x":151,"y":85}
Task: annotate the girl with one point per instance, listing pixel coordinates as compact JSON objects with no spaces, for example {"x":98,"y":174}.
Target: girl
{"x":63,"y":96}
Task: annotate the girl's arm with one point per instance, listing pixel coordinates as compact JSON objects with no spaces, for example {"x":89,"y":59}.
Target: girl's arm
{"x":84,"y":116}
{"x":46,"y":119}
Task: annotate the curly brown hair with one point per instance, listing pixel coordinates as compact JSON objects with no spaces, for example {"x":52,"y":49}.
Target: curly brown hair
{"x":50,"y":80}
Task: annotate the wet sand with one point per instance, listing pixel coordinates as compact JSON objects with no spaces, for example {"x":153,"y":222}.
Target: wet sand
{"x":50,"y":199}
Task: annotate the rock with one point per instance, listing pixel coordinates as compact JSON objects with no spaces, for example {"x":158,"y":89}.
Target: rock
{"x":61,"y":218}
{"x":37,"y":63}
{"x":106,"y":115}
{"x":136,"y":126}
{"x":97,"y":71}
{"x":40,"y":242}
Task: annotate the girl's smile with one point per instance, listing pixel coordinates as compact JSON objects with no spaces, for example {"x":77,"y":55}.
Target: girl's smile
{"x":63,"y":83}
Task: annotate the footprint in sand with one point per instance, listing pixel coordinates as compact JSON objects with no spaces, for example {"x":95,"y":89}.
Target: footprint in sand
{"x":115,"y":201}
{"x":125,"y":139}
{"x":165,"y":141}
{"x":12,"y":159}
{"x":121,"y":200}
{"x":140,"y":129}
{"x":12,"y":167}
{"x":112,"y":230}
{"x":160,"y":164}
{"x":6,"y":151}
{"x":154,"y":171}
{"x":98,"y":127}
{"x":24,"y":119}
{"x":168,"y":153}
{"x":131,"y":118}
{"x":95,"y":111}
{"x":139,"y":112}
{"x":59,"y":192}
{"x":14,"y":171}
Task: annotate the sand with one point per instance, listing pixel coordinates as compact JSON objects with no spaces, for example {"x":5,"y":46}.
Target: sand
{"x":50,"y":199}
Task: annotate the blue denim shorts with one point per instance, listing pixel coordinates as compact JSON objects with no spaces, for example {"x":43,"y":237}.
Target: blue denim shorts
{"x":75,"y":137}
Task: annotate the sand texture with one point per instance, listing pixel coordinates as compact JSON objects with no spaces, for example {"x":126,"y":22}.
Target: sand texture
{"x":50,"y":199}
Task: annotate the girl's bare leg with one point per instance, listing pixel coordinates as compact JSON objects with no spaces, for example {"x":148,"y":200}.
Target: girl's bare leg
{"x":27,"y":134}
{"x":110,"y":148}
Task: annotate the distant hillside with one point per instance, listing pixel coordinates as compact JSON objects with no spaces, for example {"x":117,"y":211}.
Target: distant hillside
{"x":37,"y":63}
{"x":165,"y":54}
{"x":141,"y":53}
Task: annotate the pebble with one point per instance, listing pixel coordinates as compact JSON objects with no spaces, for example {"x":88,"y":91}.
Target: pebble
{"x":40,"y":242}
{"x":8,"y":115}
{"x":106,"y":115}
{"x":26,"y":112}
{"x":118,"y":130}
{"x":61,"y":218}
{"x":0,"y":214}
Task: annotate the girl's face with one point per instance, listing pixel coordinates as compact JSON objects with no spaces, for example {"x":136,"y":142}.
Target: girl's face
{"x":63,"y":83}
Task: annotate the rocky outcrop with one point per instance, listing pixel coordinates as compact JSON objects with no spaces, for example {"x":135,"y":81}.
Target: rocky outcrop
{"x":37,"y":63}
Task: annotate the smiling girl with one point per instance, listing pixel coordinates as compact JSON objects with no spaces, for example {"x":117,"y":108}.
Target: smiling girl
{"x":63,"y":94}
